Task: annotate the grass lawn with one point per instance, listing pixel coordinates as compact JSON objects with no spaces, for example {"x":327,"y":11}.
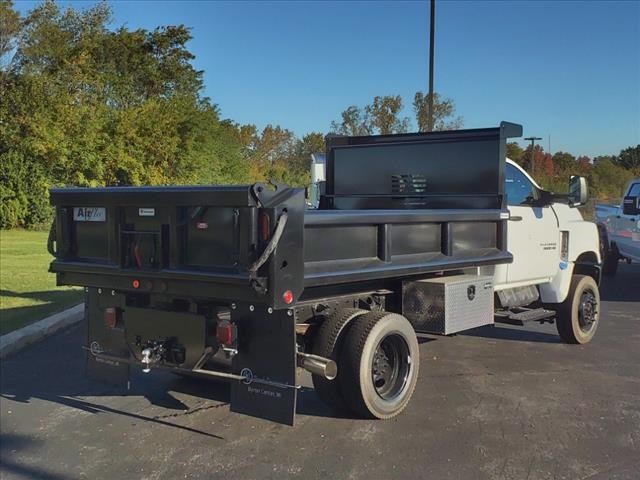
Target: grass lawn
{"x":28,"y":292}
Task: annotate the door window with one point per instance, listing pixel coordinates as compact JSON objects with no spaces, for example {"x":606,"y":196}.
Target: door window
{"x":519,"y":189}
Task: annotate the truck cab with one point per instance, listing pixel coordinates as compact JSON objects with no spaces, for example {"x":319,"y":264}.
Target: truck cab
{"x":556,"y":265}
{"x":622,"y":226}
{"x":547,"y":236}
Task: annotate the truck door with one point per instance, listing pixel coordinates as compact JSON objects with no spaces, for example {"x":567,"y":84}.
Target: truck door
{"x":533,"y":237}
{"x":627,"y":227}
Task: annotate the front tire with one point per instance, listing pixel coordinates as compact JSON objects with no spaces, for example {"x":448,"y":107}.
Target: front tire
{"x":380,"y":363}
{"x":578,"y":316}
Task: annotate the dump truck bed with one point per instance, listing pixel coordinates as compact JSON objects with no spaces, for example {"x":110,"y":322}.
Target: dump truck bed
{"x":394,"y":207}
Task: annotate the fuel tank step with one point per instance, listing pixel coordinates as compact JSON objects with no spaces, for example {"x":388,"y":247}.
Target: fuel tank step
{"x":525,"y":315}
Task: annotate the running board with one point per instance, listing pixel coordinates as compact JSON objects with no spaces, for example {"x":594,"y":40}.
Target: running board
{"x":525,"y":315}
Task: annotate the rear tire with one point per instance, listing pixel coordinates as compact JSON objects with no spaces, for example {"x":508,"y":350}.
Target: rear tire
{"x":578,"y":316}
{"x":380,"y":363}
{"x":327,"y":342}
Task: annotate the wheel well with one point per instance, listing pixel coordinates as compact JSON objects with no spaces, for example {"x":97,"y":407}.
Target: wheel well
{"x":587,"y":264}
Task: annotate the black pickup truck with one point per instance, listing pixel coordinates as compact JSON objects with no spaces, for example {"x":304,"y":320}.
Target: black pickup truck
{"x":247,"y":284}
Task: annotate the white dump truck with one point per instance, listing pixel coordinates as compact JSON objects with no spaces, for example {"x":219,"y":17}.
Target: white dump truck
{"x":427,"y":232}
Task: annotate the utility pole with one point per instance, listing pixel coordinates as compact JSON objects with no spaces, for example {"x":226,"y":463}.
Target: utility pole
{"x":432,"y":35}
{"x":533,"y":157}
{"x":549,"y":145}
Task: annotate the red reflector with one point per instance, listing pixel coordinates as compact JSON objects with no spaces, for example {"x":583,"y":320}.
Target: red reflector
{"x":110,"y":317}
{"x":225,"y":333}
{"x":265,"y":224}
{"x":136,"y":284}
{"x":287,"y":297}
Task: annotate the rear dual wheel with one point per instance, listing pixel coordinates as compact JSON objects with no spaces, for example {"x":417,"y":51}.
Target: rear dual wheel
{"x":327,"y":342}
{"x":378,"y":363}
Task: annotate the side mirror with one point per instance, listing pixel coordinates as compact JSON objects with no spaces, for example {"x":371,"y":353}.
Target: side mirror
{"x":578,"y":193}
{"x":631,"y":205}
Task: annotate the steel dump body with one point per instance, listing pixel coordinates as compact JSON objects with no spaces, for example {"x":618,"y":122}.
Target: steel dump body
{"x":394,"y":208}
{"x":204,"y":239}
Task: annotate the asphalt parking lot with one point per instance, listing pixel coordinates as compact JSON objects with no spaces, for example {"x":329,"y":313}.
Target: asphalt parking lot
{"x":503,"y":403}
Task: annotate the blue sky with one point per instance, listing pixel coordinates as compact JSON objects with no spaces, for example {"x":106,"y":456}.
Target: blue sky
{"x":566,"y":69}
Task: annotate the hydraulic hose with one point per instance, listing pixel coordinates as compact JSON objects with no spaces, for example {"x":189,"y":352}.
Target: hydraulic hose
{"x":273,"y":243}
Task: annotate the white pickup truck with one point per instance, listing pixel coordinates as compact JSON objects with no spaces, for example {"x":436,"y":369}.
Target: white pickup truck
{"x":622,"y":226}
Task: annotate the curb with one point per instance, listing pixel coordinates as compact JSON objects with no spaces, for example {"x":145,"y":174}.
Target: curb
{"x":18,"y":339}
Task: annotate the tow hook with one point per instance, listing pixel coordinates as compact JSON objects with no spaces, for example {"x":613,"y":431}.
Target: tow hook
{"x":154,"y":352}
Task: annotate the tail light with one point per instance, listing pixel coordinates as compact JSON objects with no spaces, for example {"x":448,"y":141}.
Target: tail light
{"x":111,"y":317}
{"x":288,"y":297}
{"x":264,"y":224}
{"x":226,"y":333}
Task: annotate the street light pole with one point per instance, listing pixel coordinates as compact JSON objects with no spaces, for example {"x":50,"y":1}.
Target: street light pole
{"x":533,"y":157}
{"x":432,"y":34}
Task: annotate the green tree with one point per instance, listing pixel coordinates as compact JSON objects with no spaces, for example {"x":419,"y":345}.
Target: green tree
{"x":313,"y":142}
{"x":515,"y":152}
{"x":565,"y":162}
{"x":608,"y":179}
{"x":10,"y":26}
{"x":444,"y":113}
{"x":584,"y":164}
{"x":86,"y":105}
{"x":629,"y":158}
{"x":272,"y":144}
{"x":383,"y":115}
{"x":273,"y":154}
{"x":354,"y":122}
{"x":309,"y":144}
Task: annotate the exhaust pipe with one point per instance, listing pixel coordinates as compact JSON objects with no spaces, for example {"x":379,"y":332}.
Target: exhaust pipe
{"x":317,"y":365}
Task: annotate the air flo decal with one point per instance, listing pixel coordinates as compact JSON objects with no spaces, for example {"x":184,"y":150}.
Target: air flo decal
{"x":89,"y":214}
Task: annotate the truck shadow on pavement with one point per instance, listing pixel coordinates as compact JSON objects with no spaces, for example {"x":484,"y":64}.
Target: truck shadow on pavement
{"x":624,"y":286}
{"x":519,"y":334}
{"x":11,"y":444}
{"x":53,"y":371}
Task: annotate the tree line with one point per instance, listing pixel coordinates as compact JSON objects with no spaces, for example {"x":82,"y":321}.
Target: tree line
{"x":607,"y":175}
{"x":88,"y":105}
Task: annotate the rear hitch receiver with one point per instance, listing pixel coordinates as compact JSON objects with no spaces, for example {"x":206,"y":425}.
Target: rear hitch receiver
{"x":153,"y":353}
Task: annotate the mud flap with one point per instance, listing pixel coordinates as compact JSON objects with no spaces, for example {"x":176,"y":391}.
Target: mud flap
{"x":266,"y":346}
{"x":106,"y":339}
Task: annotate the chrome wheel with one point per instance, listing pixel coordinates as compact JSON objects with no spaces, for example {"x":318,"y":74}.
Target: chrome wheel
{"x":587,"y":310}
{"x":391,"y":366}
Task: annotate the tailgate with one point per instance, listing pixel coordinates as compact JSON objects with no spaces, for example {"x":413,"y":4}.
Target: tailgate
{"x":178,"y":240}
